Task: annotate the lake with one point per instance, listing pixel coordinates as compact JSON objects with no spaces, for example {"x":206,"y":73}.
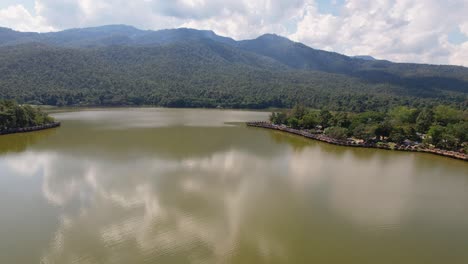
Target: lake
{"x":152,"y":185}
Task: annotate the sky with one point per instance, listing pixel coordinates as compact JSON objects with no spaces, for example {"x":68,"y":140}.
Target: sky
{"x":424,"y":31}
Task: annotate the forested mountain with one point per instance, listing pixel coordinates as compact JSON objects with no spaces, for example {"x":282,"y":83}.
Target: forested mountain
{"x":121,"y":65}
{"x":109,"y":35}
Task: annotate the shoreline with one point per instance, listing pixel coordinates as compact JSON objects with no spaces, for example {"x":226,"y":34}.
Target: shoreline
{"x":29,"y":129}
{"x":323,"y":138}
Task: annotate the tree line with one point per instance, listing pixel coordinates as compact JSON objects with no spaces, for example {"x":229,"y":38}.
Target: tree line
{"x":13,"y":115}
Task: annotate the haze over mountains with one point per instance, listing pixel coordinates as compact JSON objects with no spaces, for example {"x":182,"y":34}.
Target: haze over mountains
{"x":122,"y":65}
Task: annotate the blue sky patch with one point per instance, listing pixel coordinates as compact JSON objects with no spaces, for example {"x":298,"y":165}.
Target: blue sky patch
{"x":28,"y":4}
{"x":457,"y":37}
{"x":330,"y":6}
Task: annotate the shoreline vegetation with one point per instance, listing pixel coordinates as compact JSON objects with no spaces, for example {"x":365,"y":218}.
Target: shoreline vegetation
{"x":441,"y":130}
{"x":15,"y":118}
{"x":351,"y":143}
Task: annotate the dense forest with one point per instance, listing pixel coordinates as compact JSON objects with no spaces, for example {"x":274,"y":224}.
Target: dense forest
{"x":443,"y":126}
{"x":13,"y":116}
{"x":121,"y":65}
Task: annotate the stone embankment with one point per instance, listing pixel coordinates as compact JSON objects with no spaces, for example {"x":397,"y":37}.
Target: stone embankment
{"x":29,"y":129}
{"x":351,"y":143}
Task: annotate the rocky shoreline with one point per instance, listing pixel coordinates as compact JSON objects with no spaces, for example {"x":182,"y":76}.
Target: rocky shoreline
{"x":324,"y":138}
{"x":29,"y":129}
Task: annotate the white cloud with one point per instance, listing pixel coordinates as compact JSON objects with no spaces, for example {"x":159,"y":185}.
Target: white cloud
{"x":17,"y":17}
{"x":459,"y":55}
{"x":399,"y":30}
{"x":464,"y":28}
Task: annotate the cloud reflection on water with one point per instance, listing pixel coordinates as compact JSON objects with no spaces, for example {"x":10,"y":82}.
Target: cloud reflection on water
{"x":159,"y":205}
{"x":124,"y":189}
{"x":152,"y":197}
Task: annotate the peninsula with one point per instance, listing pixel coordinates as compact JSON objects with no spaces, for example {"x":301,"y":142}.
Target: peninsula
{"x":440,"y":130}
{"x":15,"y":118}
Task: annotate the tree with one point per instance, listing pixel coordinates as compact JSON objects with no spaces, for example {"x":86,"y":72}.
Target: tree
{"x":397,"y":135}
{"x":278,"y":118}
{"x":293,"y":122}
{"x":22,"y":117}
{"x":402,"y":115}
{"x":445,"y":115}
{"x":435,"y":134}
{"x":310,"y":120}
{"x":459,"y":130}
{"x":410,"y":133}
{"x":449,"y":141}
{"x":337,"y":132}
{"x":383,"y":130}
{"x":341,"y":120}
{"x":325,"y":117}
{"x":424,"y":120}
{"x":363,"y":131}
{"x":299,"y":111}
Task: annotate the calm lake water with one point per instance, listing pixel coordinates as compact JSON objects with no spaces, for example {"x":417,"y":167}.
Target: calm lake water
{"x":197,"y":186}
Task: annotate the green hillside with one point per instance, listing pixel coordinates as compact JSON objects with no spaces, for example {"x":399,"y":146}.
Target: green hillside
{"x":191,"y":68}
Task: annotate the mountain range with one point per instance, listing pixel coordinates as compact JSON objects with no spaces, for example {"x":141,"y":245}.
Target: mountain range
{"x":122,"y":65}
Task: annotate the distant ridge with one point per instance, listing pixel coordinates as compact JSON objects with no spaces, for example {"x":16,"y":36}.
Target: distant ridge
{"x":123,"y":65}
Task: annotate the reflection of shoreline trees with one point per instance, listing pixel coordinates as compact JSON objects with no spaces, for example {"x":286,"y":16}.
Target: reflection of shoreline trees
{"x":299,"y":144}
{"x":15,"y":143}
{"x":168,"y":142}
{"x":218,"y":205}
{"x":296,"y":143}
{"x":196,"y":202}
